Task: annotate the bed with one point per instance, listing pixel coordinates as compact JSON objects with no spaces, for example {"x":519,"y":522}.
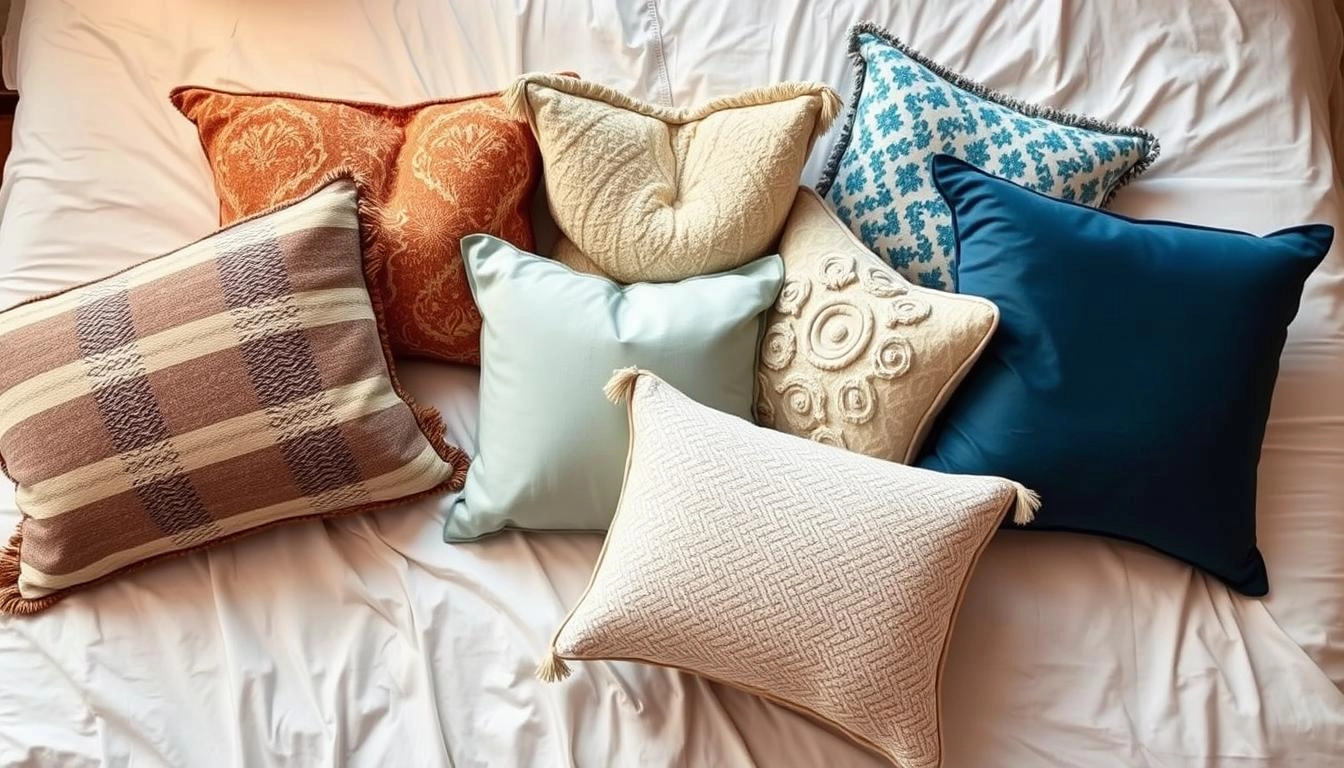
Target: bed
{"x":369,"y":641}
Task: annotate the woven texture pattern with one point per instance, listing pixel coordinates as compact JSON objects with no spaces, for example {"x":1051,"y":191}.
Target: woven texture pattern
{"x":823,"y":579}
{"x":853,"y":355}
{"x":644,"y":193}
{"x":429,"y":174}
{"x":138,"y":424}
{"x":906,"y":109}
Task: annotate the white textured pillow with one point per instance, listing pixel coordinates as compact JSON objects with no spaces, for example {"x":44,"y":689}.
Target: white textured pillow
{"x":853,"y":354}
{"x":648,"y":193}
{"x":821,"y":579}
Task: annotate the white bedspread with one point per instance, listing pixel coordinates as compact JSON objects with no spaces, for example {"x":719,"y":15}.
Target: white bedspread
{"x":368,"y":641}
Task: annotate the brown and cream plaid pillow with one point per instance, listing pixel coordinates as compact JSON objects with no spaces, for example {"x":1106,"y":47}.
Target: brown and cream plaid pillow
{"x":238,"y":382}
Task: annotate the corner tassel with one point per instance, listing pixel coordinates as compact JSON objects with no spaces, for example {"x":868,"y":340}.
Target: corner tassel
{"x":621,"y":384}
{"x":552,"y":669}
{"x":1028,"y":501}
{"x":830,"y":109}
{"x":515,"y":98}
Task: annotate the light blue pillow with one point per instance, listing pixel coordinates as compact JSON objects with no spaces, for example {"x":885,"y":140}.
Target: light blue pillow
{"x":551,"y":448}
{"x":905,"y":109}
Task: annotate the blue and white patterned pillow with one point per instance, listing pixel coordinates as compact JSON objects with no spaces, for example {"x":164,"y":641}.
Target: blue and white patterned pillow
{"x":905,"y":109}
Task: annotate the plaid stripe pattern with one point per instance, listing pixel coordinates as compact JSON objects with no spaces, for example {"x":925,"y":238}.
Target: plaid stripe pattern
{"x":234,"y":383}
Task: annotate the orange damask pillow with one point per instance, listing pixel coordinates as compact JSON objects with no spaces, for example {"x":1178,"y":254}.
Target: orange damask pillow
{"x":428,"y":174}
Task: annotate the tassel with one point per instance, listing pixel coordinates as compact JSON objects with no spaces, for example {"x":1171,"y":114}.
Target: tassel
{"x":621,"y":384}
{"x":830,"y":109}
{"x":1028,"y":501}
{"x":515,"y":98}
{"x":552,"y":669}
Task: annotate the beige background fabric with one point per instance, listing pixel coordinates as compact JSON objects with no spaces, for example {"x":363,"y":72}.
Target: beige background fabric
{"x":817,"y":577}
{"x":644,"y":193}
{"x":853,"y":354}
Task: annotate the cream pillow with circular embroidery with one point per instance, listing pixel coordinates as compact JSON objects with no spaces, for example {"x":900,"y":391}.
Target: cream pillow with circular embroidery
{"x":647,"y":193}
{"x":821,"y":579}
{"x":853,"y":354}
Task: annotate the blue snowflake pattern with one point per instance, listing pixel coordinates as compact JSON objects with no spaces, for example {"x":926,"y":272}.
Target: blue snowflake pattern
{"x":1088,"y":191}
{"x":977,"y":153}
{"x":947,"y":238}
{"x":932,"y":278}
{"x":1011,"y":166}
{"x":909,"y":177}
{"x":906,"y":113}
{"x":949,"y":128}
{"x":856,"y":179}
{"x":889,"y":120}
{"x":903,"y":76}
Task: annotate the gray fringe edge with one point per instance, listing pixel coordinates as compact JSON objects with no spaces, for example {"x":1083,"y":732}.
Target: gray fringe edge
{"x":976,"y":89}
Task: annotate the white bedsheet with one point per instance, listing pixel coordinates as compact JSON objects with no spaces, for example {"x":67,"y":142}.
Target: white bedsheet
{"x":368,"y":641}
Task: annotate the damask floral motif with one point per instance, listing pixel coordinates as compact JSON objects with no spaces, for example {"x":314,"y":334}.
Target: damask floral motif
{"x":804,"y":403}
{"x":909,"y":109}
{"x":778,"y":346}
{"x":428,"y":174}
{"x":837,"y":271}
{"x":274,"y":139}
{"x":839,"y":333}
{"x":857,"y":400}
{"x":907,"y":310}
{"x":793,"y":295}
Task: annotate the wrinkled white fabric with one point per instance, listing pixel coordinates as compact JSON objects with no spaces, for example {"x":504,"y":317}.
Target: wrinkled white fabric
{"x":367,"y":640}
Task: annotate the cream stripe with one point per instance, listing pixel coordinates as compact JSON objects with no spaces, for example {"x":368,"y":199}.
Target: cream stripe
{"x":420,"y":474}
{"x":208,"y":445}
{"x":322,"y":210}
{"x":178,"y":345}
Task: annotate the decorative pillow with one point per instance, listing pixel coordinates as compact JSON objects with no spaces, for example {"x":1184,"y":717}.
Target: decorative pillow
{"x":853,"y":355}
{"x":905,"y":108}
{"x":428,"y":174}
{"x":551,"y":451}
{"x":1130,"y":379}
{"x":646,"y":193}
{"x":823,"y":580}
{"x":137,"y":425}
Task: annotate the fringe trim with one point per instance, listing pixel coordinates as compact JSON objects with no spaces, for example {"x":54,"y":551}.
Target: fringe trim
{"x":11,"y":602}
{"x":977,"y":89}
{"x":621,"y":386}
{"x":552,"y":669}
{"x":427,"y":418}
{"x":515,"y":99}
{"x":1027,"y":504}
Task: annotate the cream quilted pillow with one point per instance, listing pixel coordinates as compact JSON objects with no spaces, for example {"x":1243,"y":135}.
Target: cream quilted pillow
{"x":821,"y":579}
{"x":646,"y":193}
{"x":853,"y":355}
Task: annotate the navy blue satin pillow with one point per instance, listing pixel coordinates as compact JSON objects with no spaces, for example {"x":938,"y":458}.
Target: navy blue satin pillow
{"x":1130,"y":378}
